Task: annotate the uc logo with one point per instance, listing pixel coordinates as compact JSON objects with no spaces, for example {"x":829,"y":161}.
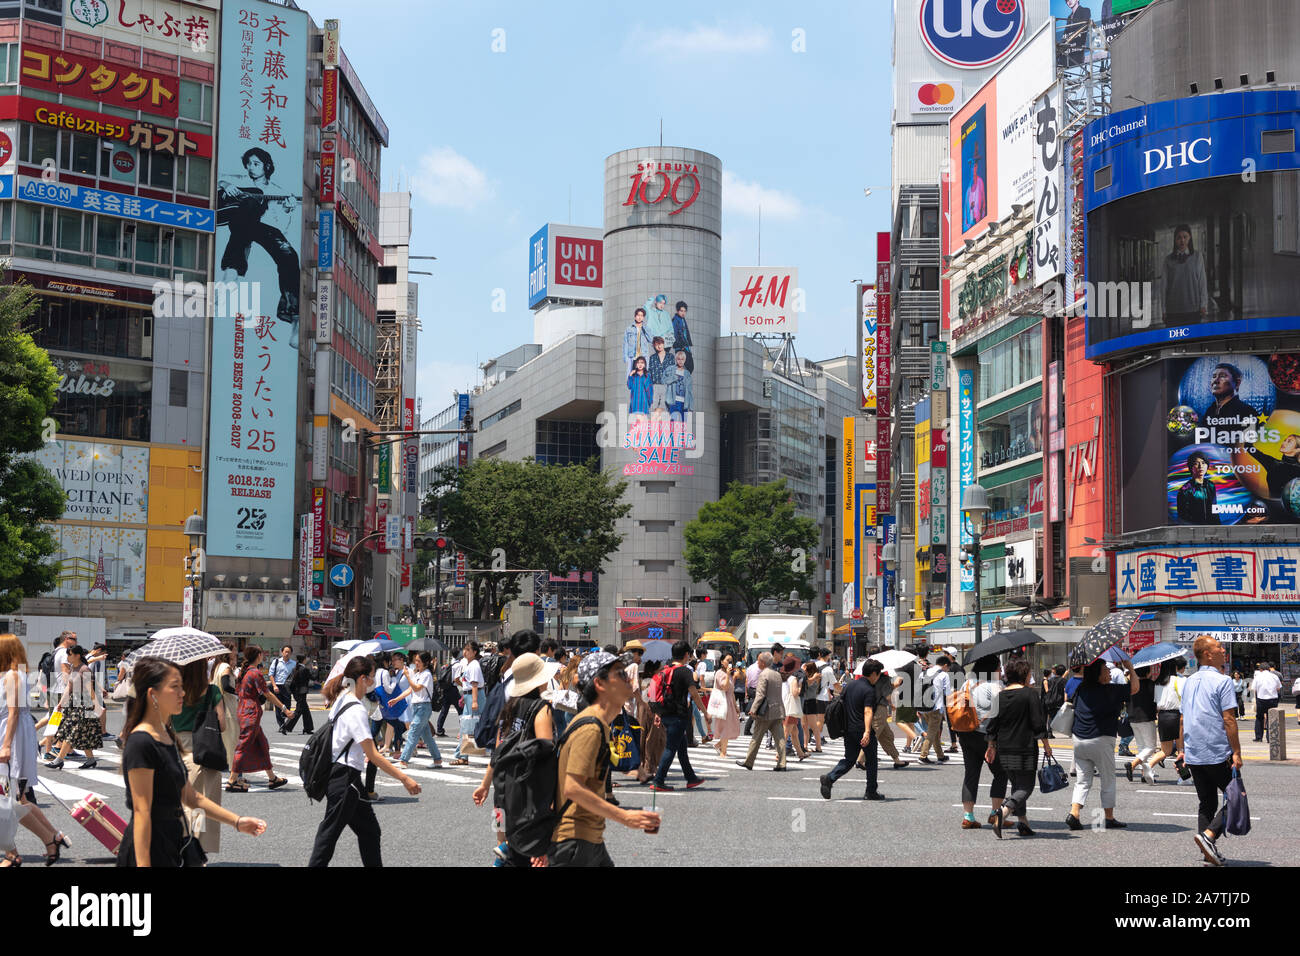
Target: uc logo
{"x":971,"y":34}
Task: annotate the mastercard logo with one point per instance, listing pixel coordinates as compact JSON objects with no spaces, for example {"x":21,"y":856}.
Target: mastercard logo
{"x":935,"y":94}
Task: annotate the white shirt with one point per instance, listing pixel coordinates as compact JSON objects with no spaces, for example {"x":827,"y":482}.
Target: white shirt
{"x":1266,"y":685}
{"x":348,"y":727}
{"x":984,"y":696}
{"x":423,"y":685}
{"x":828,"y":681}
{"x":60,"y":678}
{"x":457,"y":669}
{"x":471,"y":674}
{"x":942,"y":688}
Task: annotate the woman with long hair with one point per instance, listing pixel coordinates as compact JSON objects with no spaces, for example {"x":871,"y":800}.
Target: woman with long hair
{"x":1142,"y":718}
{"x":81,"y":706}
{"x":200,"y":697}
{"x":420,"y":690}
{"x":790,"y":697}
{"x":726,"y":727}
{"x":1169,"y":713}
{"x":19,"y":754}
{"x":351,"y":746}
{"x":223,"y":675}
{"x":156,"y":789}
{"x":253,"y":752}
{"x":812,"y":732}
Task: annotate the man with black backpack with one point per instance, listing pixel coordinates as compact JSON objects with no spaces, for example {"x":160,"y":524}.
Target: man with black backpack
{"x":860,"y":702}
{"x":673,"y":691}
{"x":584,"y":766}
{"x":299,"y":681}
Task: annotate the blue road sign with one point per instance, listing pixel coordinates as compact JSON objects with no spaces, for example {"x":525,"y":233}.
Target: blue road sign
{"x":314,"y":605}
{"x":341,"y":575}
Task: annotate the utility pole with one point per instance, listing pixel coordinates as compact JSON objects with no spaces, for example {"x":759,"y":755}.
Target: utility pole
{"x":437,"y":570}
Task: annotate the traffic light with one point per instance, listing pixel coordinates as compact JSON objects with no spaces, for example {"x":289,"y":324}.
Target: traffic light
{"x":586,"y":630}
{"x":432,"y":542}
{"x":700,"y":598}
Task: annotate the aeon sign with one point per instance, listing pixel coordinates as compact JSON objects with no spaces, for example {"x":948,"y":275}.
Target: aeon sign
{"x":972,"y":34}
{"x":652,"y":183}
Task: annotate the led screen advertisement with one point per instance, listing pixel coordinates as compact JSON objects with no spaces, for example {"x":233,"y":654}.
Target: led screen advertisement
{"x":657,"y":352}
{"x":1193,"y":220}
{"x":1234,"y":439}
{"x":259,"y":230}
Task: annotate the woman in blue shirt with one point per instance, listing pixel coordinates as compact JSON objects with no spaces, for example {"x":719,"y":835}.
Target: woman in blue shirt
{"x":1097,"y":706}
{"x":639,"y":388}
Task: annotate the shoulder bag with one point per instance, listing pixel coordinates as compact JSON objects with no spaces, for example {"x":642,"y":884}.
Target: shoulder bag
{"x":961,"y":710}
{"x":1236,"y":809}
{"x":209,"y":745}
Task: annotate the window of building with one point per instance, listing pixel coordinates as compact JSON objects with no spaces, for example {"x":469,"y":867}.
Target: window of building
{"x":503,"y":413}
{"x":1011,"y":435}
{"x":158,"y":170}
{"x":120,"y":411}
{"x":95,"y":328}
{"x":387,"y":275}
{"x":1011,"y":363}
{"x":196,"y":101}
{"x":178,"y":392}
{"x":566,"y":443}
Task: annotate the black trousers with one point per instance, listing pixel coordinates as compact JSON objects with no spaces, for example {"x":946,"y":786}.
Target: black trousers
{"x":1210,"y":780}
{"x":345,"y":808}
{"x":1262,"y":707}
{"x":300,"y":709}
{"x":448,"y":702}
{"x":852,"y":747}
{"x":579,"y":853}
{"x":277,"y":247}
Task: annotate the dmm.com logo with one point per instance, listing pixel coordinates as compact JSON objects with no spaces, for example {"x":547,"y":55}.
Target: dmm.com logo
{"x":971,"y":34}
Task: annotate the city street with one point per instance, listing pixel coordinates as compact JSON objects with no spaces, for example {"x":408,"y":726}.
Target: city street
{"x":740,"y":818}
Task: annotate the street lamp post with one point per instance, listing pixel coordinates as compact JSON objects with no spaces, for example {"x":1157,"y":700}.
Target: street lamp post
{"x":196,"y":530}
{"x":975,"y":506}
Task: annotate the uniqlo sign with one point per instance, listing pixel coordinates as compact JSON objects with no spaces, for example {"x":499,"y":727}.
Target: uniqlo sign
{"x":579,"y":262}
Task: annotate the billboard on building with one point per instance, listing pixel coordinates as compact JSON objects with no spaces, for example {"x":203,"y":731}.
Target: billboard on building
{"x":100,"y":80}
{"x":661,"y":385}
{"x":965,"y":461}
{"x":254,"y":399}
{"x":100,"y":562}
{"x":764,"y":300}
{"x":992,"y":137}
{"x":1215,"y":574}
{"x":1075,"y":23}
{"x":101,"y":482}
{"x":868,"y":336}
{"x":848,"y":525}
{"x":177,"y":29}
{"x":1049,"y":187}
{"x":1193,"y":220}
{"x":565,"y":262}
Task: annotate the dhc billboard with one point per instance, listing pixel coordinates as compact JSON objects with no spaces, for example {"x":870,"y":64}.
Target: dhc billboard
{"x":1193,"y":209}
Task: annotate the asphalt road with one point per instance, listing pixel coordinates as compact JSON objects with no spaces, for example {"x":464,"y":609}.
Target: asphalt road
{"x":738,"y":818}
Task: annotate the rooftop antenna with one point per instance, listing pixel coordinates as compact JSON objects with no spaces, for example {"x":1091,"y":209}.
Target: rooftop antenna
{"x":570,"y":219}
{"x":760,"y":235}
{"x":661,"y":132}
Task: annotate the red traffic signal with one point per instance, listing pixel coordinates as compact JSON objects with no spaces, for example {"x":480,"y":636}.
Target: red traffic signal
{"x":440,"y":543}
{"x":700,"y":598}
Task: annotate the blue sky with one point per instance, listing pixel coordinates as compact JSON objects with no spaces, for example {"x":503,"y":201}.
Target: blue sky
{"x":493,"y":144}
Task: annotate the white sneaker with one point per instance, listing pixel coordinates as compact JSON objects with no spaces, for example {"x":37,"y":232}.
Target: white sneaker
{"x":1147,"y":775}
{"x":1186,"y":783}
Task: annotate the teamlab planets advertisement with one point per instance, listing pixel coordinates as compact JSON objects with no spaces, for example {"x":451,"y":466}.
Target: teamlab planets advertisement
{"x":1234,"y":439}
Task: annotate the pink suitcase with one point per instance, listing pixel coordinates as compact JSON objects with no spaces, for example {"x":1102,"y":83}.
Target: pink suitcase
{"x":101,"y":821}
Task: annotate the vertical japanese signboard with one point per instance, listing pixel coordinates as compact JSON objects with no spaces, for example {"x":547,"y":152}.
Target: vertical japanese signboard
{"x":884,"y":352}
{"x":259,"y":227}
{"x":848,"y":453}
{"x":1049,"y":186}
{"x":462,"y":569}
{"x":318,"y":543}
{"x":966,"y":460}
{"x":304,"y":559}
{"x":868,"y":332}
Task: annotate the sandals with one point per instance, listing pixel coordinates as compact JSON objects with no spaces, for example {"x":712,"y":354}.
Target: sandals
{"x":10,"y":860}
{"x":59,"y":842}
{"x":236,"y":788}
{"x":277,"y":783}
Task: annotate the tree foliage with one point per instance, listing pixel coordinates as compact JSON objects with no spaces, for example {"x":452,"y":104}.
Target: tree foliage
{"x":29,"y":494}
{"x":750,"y":543}
{"x":558,"y":518}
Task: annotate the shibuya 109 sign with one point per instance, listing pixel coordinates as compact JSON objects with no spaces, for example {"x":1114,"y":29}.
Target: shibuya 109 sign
{"x":653,"y":183}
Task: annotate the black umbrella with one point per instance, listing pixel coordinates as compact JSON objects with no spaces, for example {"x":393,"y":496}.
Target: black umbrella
{"x":1001,"y":643}
{"x":1101,"y":637}
{"x":430,"y":644}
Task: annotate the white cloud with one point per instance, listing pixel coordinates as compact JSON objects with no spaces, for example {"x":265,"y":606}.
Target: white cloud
{"x":741,"y":198}
{"x":702,"y":41}
{"x":446,"y":178}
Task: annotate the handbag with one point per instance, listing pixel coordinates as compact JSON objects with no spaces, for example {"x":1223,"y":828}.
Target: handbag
{"x":717,"y":708}
{"x":8,"y":818}
{"x":209,"y":744}
{"x":1050,"y":775}
{"x":1236,"y":810}
{"x":624,"y":744}
{"x":961,"y":711}
{"x":1063,"y":722}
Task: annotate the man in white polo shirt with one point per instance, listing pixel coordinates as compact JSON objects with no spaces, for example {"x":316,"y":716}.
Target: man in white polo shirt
{"x":1267,"y":688}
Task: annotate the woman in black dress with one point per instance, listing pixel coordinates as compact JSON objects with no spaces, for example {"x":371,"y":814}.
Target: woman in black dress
{"x":155,"y":774}
{"x":1013,"y":735}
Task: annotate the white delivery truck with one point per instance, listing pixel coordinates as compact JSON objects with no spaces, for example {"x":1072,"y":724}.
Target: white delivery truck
{"x":794,"y":632}
{"x":38,"y":631}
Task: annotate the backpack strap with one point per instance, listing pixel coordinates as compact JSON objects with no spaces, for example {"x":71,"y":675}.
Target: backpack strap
{"x":604,"y":764}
